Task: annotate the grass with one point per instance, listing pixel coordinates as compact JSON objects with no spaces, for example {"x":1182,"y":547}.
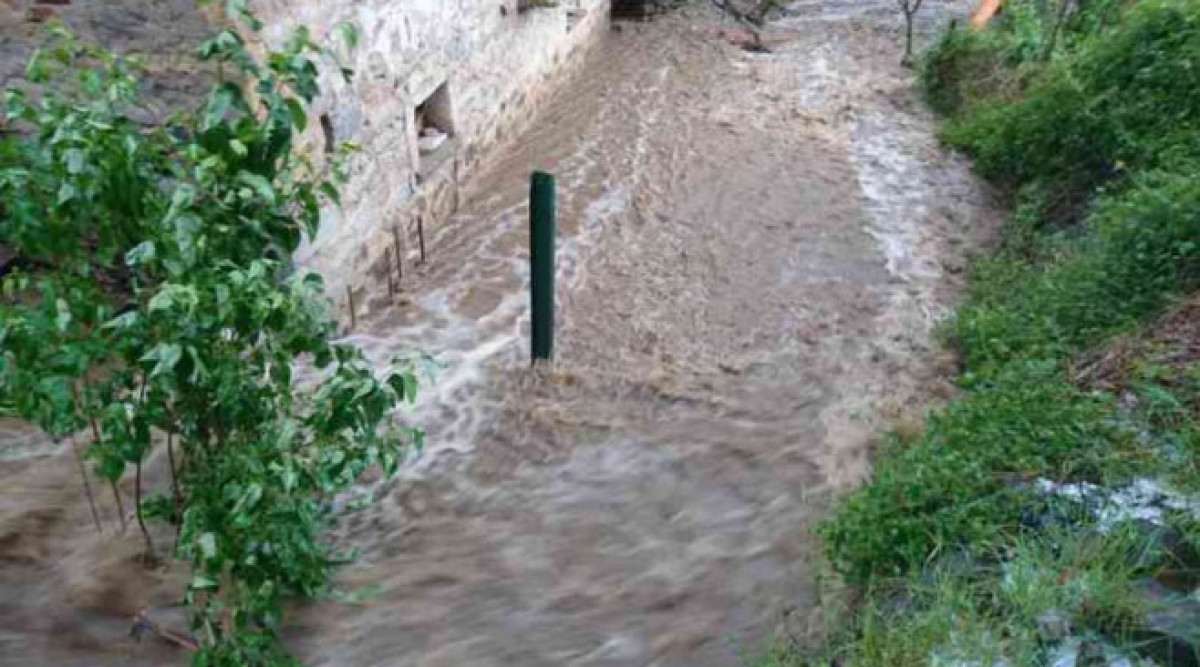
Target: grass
{"x":1072,"y":372}
{"x":1013,"y":607}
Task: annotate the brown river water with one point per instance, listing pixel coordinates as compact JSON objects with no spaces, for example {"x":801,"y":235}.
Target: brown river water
{"x":754,"y":250}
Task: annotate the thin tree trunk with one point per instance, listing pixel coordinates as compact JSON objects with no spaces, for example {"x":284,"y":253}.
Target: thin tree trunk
{"x":112,"y":483}
{"x":174,"y":474}
{"x":137,"y":499}
{"x":910,"y":9}
{"x":908,"y":38}
{"x":177,"y":515}
{"x":87,"y":485}
{"x":120,"y":505}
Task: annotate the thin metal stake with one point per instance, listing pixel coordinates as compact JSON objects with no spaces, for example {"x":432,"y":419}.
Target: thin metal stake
{"x":396,"y":248}
{"x":421,"y":235}
{"x":541,"y":260}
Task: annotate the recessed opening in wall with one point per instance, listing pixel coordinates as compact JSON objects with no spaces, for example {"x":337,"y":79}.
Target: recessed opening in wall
{"x":638,"y":10}
{"x":435,"y":131}
{"x":327,"y":133}
{"x":526,"y":5}
{"x":575,"y":13}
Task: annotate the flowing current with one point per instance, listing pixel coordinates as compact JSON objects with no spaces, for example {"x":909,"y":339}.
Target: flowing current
{"x":753,"y":251}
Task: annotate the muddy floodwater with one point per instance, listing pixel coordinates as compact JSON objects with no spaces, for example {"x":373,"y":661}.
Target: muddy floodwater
{"x":754,"y":250}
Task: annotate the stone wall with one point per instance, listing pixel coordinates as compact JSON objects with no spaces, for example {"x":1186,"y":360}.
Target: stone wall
{"x":486,"y":64}
{"x":481,"y":67}
{"x":165,"y":34}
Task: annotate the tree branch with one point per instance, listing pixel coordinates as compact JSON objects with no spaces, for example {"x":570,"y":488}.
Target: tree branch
{"x":87,"y":485}
{"x":137,"y":500}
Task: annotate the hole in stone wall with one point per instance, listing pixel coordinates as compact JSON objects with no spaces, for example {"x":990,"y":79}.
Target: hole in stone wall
{"x":636,"y":10}
{"x":574,"y":12}
{"x":526,"y":5}
{"x":327,"y":132}
{"x":434,"y":113}
{"x":435,"y":131}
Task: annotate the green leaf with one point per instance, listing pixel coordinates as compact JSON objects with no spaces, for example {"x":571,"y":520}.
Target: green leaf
{"x":405,"y":385}
{"x":222,"y":294}
{"x":163,"y":300}
{"x":187,"y":229}
{"x":142,"y":253}
{"x":259,"y":184}
{"x":66,"y":192}
{"x":123,"y":321}
{"x":254,"y":493}
{"x":201,"y":582}
{"x":36,"y":69}
{"x":311,"y":210}
{"x":331,"y":193}
{"x":62,"y":318}
{"x":297,"y":112}
{"x":238,"y":9}
{"x":349,"y":34}
{"x":74,"y":161}
{"x":208,"y":545}
{"x":167,"y":356}
{"x":221,"y":101}
{"x":290,"y":479}
{"x":239,"y":149}
{"x":112,"y":467}
{"x":183,"y":197}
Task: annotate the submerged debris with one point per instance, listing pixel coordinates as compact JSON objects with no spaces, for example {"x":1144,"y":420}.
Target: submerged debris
{"x":1142,"y":500}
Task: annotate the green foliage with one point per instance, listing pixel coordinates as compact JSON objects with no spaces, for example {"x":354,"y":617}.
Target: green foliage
{"x":1121,"y":102}
{"x":966,"y":66}
{"x":1127,"y":99}
{"x":1098,"y":129}
{"x":960,"y":484}
{"x":1138,"y":251}
{"x":1020,"y":324}
{"x":975,"y":612}
{"x":160,"y":304}
{"x":951,"y":71}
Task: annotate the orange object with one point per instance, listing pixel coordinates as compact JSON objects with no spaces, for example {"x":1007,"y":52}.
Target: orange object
{"x":986,"y":11}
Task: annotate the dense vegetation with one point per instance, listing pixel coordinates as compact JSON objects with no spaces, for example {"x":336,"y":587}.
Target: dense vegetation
{"x":154,"y":307}
{"x":1080,"y":366}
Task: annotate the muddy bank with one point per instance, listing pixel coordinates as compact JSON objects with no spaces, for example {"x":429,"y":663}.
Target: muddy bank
{"x":755,"y":247}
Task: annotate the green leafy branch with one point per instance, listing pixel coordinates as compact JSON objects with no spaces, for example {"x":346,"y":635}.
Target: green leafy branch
{"x":156,"y":306}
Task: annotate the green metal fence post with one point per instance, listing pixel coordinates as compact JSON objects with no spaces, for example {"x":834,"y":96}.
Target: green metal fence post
{"x":541,"y":262}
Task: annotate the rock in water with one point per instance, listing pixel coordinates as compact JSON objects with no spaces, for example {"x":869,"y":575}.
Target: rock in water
{"x":1172,"y":626}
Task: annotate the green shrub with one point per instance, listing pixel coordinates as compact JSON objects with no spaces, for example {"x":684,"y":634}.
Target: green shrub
{"x":957,"y":485}
{"x":963,"y":612}
{"x":1107,"y":132}
{"x":967,"y":67}
{"x":947,"y":67}
{"x":1140,"y":249}
{"x":963,"y":67}
{"x":1124,"y":100}
{"x":1020,"y":323}
{"x":158,"y":304}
